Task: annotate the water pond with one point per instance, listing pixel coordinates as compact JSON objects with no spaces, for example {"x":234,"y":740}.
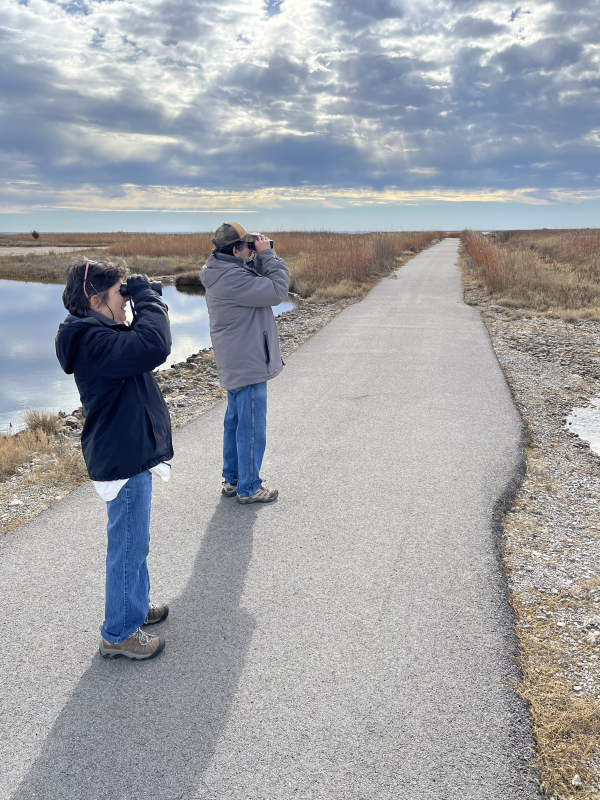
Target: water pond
{"x":585,"y":423}
{"x":30,"y":313}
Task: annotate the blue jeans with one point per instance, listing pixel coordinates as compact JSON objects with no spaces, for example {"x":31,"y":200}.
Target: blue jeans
{"x":245,"y":437}
{"x":127,"y":581}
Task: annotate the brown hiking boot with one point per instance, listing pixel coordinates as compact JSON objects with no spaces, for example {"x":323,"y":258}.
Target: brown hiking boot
{"x":261,"y":495}
{"x":138,"y":646}
{"x":156,"y":613}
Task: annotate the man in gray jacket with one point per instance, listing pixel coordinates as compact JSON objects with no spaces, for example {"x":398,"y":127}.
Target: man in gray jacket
{"x":243,"y":278}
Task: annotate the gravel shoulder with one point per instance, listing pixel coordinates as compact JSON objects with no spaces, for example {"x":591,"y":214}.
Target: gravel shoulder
{"x":551,"y":539}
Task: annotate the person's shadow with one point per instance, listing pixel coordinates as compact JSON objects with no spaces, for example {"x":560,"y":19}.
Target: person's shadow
{"x":140,"y":730}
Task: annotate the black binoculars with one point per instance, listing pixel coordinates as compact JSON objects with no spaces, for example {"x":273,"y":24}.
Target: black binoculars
{"x":252,"y":247}
{"x":155,"y":285}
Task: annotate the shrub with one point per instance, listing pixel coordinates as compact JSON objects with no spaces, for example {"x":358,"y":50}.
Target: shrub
{"x":41,"y":420}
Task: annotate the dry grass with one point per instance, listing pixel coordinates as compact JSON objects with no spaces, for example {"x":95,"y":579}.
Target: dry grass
{"x":566,"y":727}
{"x":40,"y":439}
{"x":37,"y":420}
{"x":323,"y":266}
{"x":43,"y":268}
{"x":21,"y":447}
{"x":374,"y":246}
{"x":62,"y":239}
{"x":163,"y":245}
{"x":68,"y":468}
{"x":555,"y":273}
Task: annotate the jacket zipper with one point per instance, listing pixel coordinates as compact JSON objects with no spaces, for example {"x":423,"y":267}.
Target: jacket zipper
{"x":267,"y":353}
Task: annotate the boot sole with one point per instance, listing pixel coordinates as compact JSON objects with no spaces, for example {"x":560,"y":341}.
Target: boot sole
{"x":132,"y":656}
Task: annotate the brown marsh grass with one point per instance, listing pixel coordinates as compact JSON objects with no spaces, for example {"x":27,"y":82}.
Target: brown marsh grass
{"x":61,"y":239}
{"x":554,"y":273}
{"x":323,"y":266}
{"x":40,"y":438}
{"x":328,"y":266}
{"x":21,"y":447}
{"x":43,"y":268}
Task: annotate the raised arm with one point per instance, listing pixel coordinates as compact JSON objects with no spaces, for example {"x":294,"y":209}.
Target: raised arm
{"x":269,"y":287}
{"x":120,"y":354}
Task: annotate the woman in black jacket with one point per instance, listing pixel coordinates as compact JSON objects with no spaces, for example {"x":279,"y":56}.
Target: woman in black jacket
{"x":126,"y":435}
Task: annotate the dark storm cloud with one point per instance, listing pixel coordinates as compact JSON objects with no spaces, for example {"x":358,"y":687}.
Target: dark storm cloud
{"x":196,"y":92}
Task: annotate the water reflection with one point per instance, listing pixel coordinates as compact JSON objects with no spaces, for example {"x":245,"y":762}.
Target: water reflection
{"x":585,"y":423}
{"x":30,"y":313}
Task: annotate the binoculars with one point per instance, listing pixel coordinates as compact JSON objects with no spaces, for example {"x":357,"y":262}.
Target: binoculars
{"x":155,"y":285}
{"x":252,"y":247}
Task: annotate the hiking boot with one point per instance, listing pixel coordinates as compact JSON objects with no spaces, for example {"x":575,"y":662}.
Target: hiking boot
{"x":156,"y":613}
{"x":229,"y":489}
{"x":261,"y":495}
{"x":138,"y":646}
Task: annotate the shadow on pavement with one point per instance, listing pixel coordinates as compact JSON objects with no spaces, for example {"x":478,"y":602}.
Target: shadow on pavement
{"x":138,"y":730}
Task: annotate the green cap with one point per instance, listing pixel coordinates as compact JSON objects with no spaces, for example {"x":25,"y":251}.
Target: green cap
{"x":230,"y":232}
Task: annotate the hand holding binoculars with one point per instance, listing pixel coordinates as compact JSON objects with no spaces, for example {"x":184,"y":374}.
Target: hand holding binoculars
{"x":154,"y":285}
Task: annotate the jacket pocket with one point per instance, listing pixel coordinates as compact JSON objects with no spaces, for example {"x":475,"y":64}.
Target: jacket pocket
{"x":267,"y":351}
{"x":158,"y":430}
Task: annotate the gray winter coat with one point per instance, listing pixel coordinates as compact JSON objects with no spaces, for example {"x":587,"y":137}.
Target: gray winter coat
{"x":239,"y":296}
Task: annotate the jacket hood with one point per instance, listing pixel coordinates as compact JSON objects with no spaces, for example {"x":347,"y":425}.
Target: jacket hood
{"x":217,"y":264}
{"x":70,"y":332}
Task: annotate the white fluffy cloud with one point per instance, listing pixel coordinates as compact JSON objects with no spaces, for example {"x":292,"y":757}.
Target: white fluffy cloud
{"x":194,"y":102}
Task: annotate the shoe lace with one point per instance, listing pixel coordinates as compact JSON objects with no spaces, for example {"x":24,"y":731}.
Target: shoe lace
{"x":142,"y":637}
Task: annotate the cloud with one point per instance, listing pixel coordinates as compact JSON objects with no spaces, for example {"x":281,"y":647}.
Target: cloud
{"x":477,"y":28}
{"x":205,"y":98}
{"x":21,"y":196}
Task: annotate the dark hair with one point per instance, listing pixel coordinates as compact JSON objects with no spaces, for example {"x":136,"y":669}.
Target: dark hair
{"x":228,"y":249}
{"x":101,"y":274}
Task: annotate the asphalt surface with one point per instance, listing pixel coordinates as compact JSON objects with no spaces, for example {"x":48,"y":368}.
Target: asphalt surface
{"x":351,"y":641}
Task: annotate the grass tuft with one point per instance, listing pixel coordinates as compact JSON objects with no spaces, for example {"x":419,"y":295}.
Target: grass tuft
{"x":21,"y":447}
{"x":37,"y":420}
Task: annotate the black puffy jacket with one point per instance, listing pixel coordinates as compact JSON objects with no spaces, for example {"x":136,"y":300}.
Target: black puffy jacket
{"x":127,"y":426}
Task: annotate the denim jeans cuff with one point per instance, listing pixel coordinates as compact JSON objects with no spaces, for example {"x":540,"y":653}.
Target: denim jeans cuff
{"x":114,"y":639}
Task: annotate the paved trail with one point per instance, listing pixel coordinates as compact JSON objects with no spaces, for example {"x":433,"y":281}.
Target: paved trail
{"x":350,"y":642}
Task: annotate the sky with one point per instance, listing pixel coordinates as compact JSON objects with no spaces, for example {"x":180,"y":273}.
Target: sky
{"x":176,"y":115}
